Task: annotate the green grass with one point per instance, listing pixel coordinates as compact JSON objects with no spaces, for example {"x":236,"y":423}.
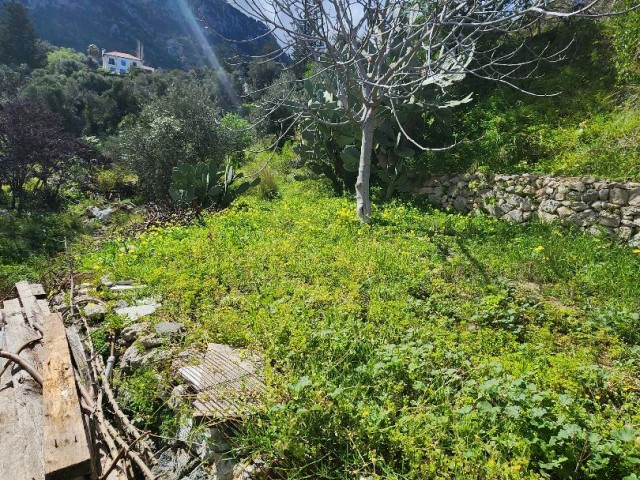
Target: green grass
{"x":29,"y":241}
{"x":424,"y":345}
{"x":591,"y":127}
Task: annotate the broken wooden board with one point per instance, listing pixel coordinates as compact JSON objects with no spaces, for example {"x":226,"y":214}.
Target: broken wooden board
{"x":226,"y":382}
{"x":29,"y":304}
{"x":66,"y":449}
{"x":21,"y":452}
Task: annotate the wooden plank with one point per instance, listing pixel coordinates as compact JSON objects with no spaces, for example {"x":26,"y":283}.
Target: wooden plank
{"x":44,"y":307}
{"x":30,"y":304}
{"x":12,"y":451}
{"x":66,"y":450}
{"x":38,"y":290}
{"x":25,"y":434}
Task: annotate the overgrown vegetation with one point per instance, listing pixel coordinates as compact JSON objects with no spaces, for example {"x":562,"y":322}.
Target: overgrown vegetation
{"x":422,"y":345}
{"x":589,"y":126}
{"x":425,"y":345}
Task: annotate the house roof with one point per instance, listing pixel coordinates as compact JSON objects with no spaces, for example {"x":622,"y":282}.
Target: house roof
{"x":122,"y":55}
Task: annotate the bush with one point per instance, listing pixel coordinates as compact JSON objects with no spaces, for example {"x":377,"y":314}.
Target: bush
{"x":177,"y":128}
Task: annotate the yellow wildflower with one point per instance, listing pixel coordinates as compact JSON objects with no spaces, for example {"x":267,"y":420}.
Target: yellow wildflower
{"x":636,"y":251}
{"x":539,"y":248}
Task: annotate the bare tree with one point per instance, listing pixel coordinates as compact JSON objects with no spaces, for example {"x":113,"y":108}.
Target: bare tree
{"x":375,"y":55}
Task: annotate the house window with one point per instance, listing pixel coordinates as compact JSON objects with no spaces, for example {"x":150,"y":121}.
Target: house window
{"x":122,"y":70}
{"x":135,"y":64}
{"x":112,"y":69}
{"x":123,"y":63}
{"x":112,"y":61}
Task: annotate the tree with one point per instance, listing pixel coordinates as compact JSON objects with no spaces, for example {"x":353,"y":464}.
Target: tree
{"x":35,"y":146}
{"x":93,"y":51}
{"x":181,"y":127}
{"x":375,"y":57}
{"x":18,"y":40}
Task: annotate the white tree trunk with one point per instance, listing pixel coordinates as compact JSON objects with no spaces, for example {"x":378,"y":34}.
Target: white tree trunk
{"x":363,"y":202}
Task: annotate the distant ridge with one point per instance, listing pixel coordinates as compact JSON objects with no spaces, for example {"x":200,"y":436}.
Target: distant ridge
{"x":161,"y":25}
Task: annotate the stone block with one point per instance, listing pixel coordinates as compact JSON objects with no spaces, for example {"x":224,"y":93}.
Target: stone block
{"x":609,"y":219}
{"x":590,"y":196}
{"x":634,"y":197}
{"x":618,"y":196}
{"x":565,"y":211}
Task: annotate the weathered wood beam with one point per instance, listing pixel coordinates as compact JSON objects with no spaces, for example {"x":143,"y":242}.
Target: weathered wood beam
{"x":66,"y":450}
{"x":25,"y":436}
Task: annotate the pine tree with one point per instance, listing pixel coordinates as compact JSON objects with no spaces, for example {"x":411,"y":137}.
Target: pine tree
{"x":18,"y":39}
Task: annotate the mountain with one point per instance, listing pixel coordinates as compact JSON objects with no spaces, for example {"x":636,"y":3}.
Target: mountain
{"x":170,"y":30}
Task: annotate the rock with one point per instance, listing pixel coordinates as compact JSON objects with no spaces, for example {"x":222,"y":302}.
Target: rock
{"x":91,"y":211}
{"x":95,"y":311}
{"x":106,"y":282}
{"x":565,"y":211}
{"x":583,"y":219}
{"x":134,"y":313}
{"x":136,"y":356}
{"x":198,"y":473}
{"x":549,"y":206}
{"x":634,"y":197}
{"x":461,"y":204}
{"x":618,"y":196}
{"x":177,"y":399}
{"x":150,"y":341}
{"x":579,"y":206}
{"x":168,"y":328}
{"x":604,"y":194}
{"x":577,"y":186}
{"x":171,"y":463}
{"x":631,"y":211}
{"x":635,"y":241}
{"x":131,"y":333}
{"x":590,"y":196}
{"x":251,"y":471}
{"x":624,"y":233}
{"x":547,"y":217}
{"x":223,"y":469}
{"x":514,"y":216}
{"x":608,"y":219}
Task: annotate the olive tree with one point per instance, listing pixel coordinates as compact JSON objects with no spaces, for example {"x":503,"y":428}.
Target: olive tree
{"x":375,"y":55}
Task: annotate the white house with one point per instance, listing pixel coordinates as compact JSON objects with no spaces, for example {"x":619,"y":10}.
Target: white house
{"x":120,"y":63}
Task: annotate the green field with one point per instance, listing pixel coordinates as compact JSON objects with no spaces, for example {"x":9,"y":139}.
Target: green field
{"x":423,"y":345}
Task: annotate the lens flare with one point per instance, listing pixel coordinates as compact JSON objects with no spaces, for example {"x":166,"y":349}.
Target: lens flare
{"x":196,"y":29}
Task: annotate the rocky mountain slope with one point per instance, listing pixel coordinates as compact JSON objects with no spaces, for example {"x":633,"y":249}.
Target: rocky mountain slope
{"x":166,"y":27}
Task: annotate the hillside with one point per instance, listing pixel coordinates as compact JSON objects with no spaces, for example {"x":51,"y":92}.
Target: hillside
{"x":164,"y":26}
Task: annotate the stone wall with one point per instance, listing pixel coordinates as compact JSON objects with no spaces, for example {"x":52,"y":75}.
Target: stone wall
{"x":598,"y":206}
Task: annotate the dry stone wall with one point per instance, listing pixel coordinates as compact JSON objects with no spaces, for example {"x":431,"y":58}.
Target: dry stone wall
{"x":597,"y":206}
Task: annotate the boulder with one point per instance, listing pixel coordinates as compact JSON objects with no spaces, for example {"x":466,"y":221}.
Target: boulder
{"x":95,"y":311}
{"x":131,"y":333}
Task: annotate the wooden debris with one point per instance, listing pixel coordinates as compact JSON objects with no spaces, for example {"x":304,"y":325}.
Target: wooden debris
{"x":226,"y":382}
{"x":21,"y":426}
{"x":66,"y":450}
